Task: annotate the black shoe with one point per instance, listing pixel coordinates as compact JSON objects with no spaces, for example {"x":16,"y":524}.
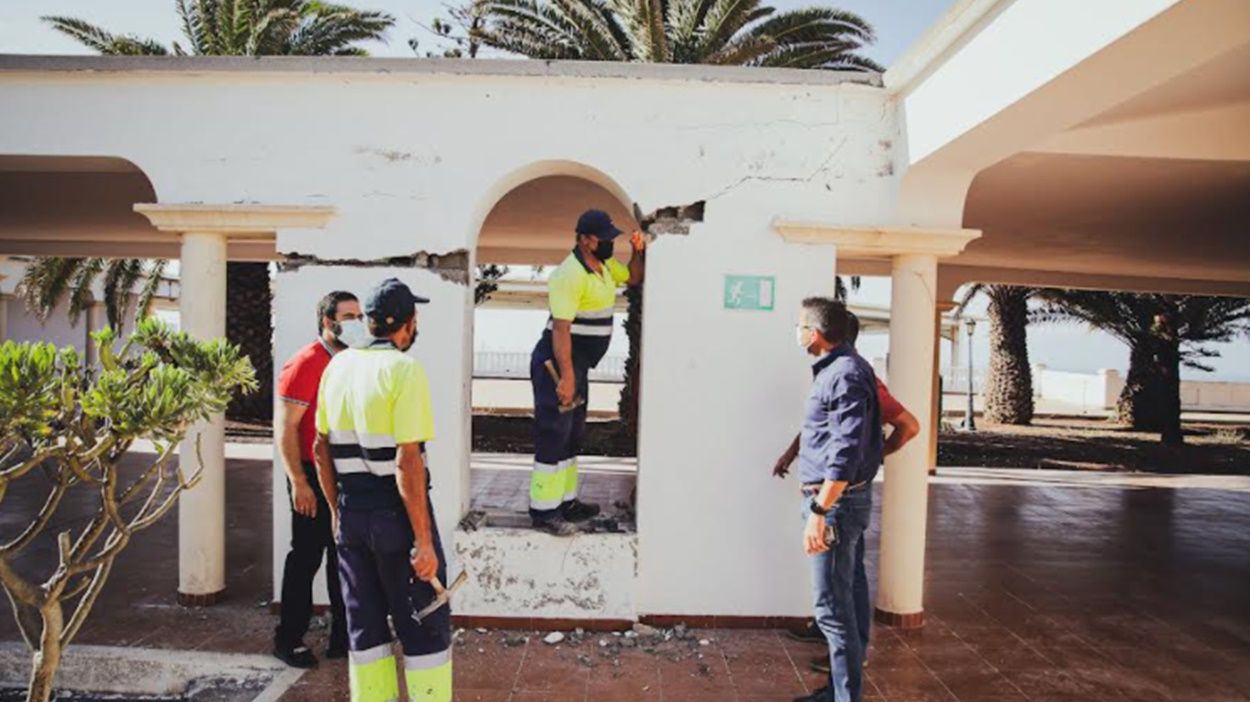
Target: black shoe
{"x":820,"y":664}
{"x":556,"y":526}
{"x":295,"y":656}
{"x":808,"y":634}
{"x":577,"y":511}
{"x":824,"y":694}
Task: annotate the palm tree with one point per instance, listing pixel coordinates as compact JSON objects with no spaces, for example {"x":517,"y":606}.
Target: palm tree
{"x":48,"y":281}
{"x":218,"y":28}
{"x":1162,"y":332}
{"x":718,"y":32}
{"x":722,"y":32}
{"x":1009,"y":383}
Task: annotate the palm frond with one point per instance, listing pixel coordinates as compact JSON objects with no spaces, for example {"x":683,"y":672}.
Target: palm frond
{"x":725,"y":19}
{"x":45,"y":283}
{"x":105,"y":42}
{"x":155,"y":274}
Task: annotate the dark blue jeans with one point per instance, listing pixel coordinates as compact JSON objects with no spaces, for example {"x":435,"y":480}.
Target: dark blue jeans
{"x":834,"y":581}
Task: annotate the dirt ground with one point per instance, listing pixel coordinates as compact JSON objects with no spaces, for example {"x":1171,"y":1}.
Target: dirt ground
{"x":1070,"y":443}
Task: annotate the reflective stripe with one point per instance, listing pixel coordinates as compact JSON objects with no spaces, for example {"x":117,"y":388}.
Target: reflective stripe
{"x":586,"y":330}
{"x":429,"y":660}
{"x":348,"y":436}
{"x":605,"y":313}
{"x":372,"y":675}
{"x":551,"y":468}
{"x":549,"y":484}
{"x":431,"y":684}
{"x":570,"y":481}
{"x":370,"y":655}
{"x":359,"y":465}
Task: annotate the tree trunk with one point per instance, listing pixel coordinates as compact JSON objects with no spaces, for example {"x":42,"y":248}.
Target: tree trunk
{"x":1170,"y":391}
{"x":1009,"y":384}
{"x":48,"y":657}
{"x":630,"y":393}
{"x":1140,"y":405}
{"x":249,"y":325}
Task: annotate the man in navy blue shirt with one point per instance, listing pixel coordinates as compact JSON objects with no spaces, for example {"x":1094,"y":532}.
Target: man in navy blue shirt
{"x":840,"y":451}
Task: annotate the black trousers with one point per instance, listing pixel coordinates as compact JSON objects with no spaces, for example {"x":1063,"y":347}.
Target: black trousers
{"x":311,"y":541}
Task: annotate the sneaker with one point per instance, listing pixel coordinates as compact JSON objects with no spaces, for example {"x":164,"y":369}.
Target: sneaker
{"x":808,"y":634}
{"x":824,"y":694}
{"x":556,"y":526}
{"x":295,"y":656}
{"x":577,"y":511}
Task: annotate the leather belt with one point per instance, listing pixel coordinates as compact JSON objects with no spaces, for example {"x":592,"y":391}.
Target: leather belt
{"x":810,"y":489}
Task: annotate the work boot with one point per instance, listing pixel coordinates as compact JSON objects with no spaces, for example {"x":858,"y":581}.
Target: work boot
{"x":577,"y":511}
{"x":556,"y":526}
{"x":824,"y":694}
{"x":295,"y":656}
{"x":807,"y":634}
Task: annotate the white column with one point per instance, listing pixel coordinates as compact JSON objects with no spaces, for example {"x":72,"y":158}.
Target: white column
{"x":202,"y":510}
{"x":912,"y":343}
{"x":956,"y":358}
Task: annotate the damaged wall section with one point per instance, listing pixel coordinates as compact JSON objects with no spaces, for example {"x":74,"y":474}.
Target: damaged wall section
{"x":452,"y":266}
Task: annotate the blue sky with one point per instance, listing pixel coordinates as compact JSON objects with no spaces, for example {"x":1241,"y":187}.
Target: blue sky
{"x":898,"y":24}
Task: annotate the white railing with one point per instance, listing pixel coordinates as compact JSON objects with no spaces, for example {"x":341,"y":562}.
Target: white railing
{"x":515,"y":365}
{"x":955,"y":380}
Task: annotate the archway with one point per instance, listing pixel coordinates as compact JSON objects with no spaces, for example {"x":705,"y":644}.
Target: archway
{"x":527,"y":231}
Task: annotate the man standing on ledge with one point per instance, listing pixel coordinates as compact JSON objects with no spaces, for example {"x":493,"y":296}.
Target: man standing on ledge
{"x":373,"y":419}
{"x":581,"y":296}
{"x":840,"y":450}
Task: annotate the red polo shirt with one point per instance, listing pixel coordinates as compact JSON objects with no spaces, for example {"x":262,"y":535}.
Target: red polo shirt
{"x":891,"y":409}
{"x":298,"y":384}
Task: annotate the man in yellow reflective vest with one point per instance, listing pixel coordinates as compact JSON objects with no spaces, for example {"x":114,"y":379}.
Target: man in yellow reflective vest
{"x":581,"y":295}
{"x":373,"y":419}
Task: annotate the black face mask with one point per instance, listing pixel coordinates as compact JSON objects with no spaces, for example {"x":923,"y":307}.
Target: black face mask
{"x":604,"y":250}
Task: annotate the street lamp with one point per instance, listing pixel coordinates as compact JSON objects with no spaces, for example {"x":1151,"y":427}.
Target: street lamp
{"x":970,"y":422}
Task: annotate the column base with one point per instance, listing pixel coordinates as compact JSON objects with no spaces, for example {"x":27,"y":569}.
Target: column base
{"x":208,"y":600}
{"x":912,"y":620}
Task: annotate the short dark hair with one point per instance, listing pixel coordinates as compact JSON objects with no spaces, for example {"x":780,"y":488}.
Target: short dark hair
{"x":381,"y":330}
{"x":830,"y":316}
{"x":852,"y":328}
{"x":329,"y":306}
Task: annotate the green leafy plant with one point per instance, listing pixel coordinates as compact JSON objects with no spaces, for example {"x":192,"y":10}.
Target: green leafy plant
{"x":70,"y":425}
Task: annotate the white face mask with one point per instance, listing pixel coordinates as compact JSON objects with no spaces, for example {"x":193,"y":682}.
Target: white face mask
{"x":354,"y":334}
{"x":803,"y":337}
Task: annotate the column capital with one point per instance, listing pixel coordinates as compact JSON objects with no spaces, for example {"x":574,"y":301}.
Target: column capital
{"x":234,"y":221}
{"x":877,"y":242}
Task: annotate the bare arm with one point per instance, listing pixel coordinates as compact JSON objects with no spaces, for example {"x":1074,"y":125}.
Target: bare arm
{"x":413,"y":489}
{"x":287,"y":427}
{"x":905,"y":428}
{"x":782,"y":467}
{"x":325,"y":476}
{"x":638,"y":260}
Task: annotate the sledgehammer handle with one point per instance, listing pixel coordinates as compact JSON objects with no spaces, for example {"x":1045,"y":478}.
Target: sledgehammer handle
{"x":555,"y":377}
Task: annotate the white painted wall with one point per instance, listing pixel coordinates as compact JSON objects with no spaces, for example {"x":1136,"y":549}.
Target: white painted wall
{"x":1101,"y":391}
{"x":414,"y":159}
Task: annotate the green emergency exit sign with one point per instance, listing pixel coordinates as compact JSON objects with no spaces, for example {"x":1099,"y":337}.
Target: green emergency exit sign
{"x":749,"y":292}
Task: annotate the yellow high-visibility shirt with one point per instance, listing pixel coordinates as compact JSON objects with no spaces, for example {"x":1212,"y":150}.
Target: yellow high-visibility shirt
{"x":578,"y":294}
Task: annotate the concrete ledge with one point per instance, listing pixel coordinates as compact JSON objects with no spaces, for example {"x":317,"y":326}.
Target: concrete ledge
{"x":14,"y":63}
{"x":149,"y":671}
{"x":528,"y":575}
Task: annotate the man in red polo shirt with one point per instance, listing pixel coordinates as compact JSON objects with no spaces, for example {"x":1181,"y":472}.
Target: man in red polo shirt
{"x":339,"y":325}
{"x":904,"y":427}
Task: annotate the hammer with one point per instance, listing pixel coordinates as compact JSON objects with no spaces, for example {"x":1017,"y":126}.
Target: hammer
{"x":555,"y":376}
{"x":442,"y":595}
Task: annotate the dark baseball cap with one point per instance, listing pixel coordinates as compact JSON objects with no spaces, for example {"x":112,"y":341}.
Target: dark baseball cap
{"x":597,"y":223}
{"x":392,"y":301}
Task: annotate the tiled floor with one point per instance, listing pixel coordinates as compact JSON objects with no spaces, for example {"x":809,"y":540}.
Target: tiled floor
{"x":1041,"y":586}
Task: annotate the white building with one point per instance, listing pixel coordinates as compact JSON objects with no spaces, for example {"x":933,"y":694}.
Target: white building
{"x":1117,"y":158}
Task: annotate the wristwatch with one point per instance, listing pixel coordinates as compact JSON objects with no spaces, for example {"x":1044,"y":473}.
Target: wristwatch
{"x":817,"y":509}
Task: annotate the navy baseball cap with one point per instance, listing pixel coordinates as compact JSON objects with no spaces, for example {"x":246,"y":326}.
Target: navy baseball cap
{"x":392,"y":301}
{"x":597,"y":223}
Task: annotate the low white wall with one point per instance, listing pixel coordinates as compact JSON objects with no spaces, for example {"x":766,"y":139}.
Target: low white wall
{"x":1101,"y":390}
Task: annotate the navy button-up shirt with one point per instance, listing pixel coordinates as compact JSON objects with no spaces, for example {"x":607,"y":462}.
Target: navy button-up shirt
{"x":841,"y":437}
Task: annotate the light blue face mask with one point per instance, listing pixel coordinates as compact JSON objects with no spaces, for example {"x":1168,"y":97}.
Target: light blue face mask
{"x":353,"y":333}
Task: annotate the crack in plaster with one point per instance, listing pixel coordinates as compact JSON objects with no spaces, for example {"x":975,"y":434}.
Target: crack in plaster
{"x":452,"y":267}
{"x":823,"y":168}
